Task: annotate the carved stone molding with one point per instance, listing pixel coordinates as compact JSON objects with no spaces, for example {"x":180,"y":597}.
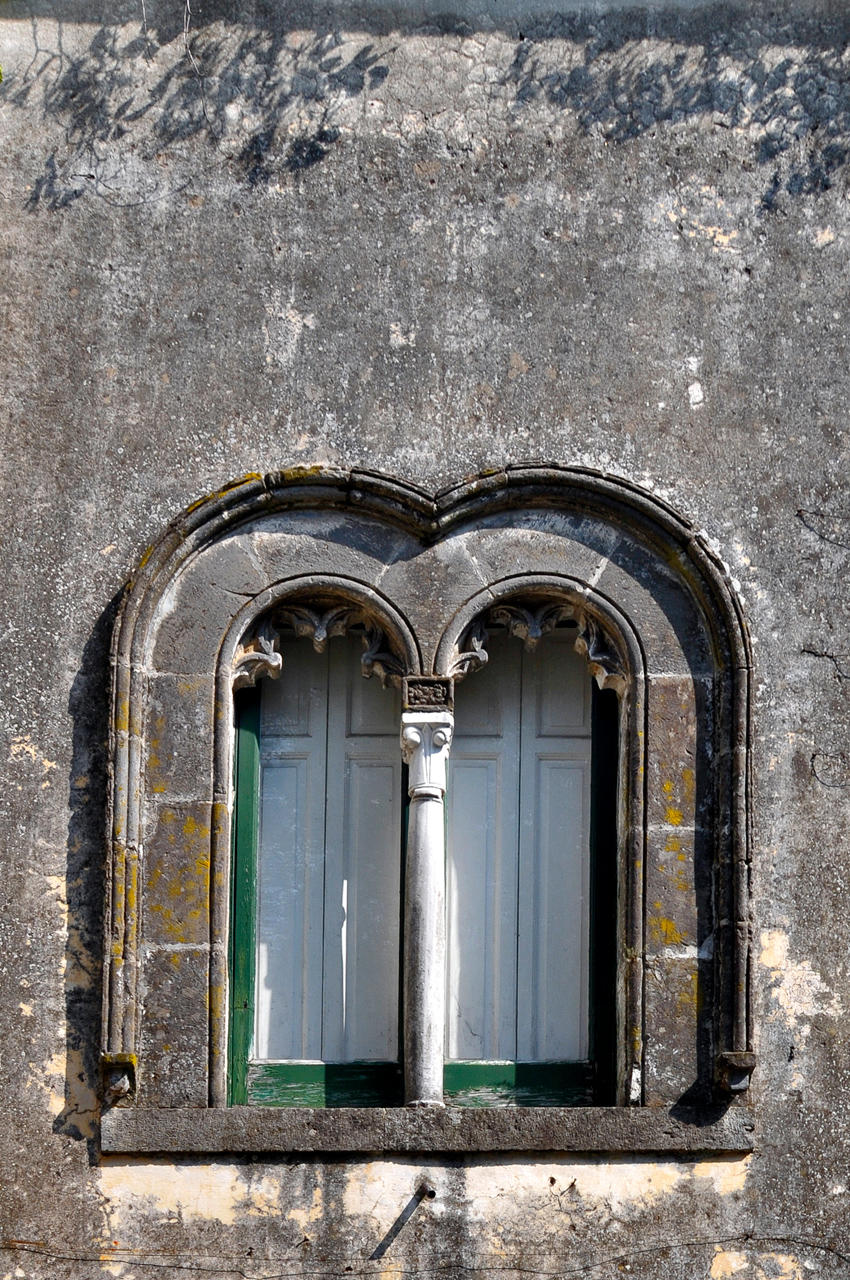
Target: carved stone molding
{"x":259,"y":655}
{"x":530,"y":621}
{"x":422,"y":693}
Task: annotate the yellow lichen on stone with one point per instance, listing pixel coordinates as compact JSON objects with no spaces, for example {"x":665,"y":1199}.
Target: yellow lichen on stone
{"x":664,"y":931}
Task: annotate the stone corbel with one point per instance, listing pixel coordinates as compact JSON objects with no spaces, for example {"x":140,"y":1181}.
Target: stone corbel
{"x":732,"y":1071}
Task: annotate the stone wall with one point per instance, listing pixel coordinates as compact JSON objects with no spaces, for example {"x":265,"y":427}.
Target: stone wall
{"x":427,"y":245}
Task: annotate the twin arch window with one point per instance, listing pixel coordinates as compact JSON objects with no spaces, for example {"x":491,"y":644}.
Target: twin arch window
{"x":519,"y":880}
{"x":320,"y":957}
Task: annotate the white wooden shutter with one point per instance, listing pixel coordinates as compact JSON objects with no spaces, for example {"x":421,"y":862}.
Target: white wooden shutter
{"x":518,"y":857}
{"x":481,"y":864}
{"x":329,"y":854}
{"x":554,"y":854}
{"x":363,"y":864}
{"x":290,"y":858}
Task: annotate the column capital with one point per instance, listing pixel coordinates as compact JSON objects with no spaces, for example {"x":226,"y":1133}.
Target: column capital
{"x":425,"y":740}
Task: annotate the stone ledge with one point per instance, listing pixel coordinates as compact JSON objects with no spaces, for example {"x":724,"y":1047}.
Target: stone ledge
{"x":714,"y":1131}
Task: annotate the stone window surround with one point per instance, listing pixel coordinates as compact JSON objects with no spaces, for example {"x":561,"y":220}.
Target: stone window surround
{"x":146,"y":1114}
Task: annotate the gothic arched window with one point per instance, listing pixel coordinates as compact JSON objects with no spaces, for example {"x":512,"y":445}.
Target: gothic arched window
{"x":560,"y":654}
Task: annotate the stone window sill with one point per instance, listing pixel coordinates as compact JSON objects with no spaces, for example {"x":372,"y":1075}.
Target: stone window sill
{"x":709,"y":1131}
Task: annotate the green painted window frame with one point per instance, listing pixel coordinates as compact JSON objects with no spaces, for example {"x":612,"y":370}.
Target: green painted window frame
{"x":379,"y":1084}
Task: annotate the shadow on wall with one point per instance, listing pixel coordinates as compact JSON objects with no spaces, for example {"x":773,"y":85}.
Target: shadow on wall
{"x":85,"y":878}
{"x":781,"y":78}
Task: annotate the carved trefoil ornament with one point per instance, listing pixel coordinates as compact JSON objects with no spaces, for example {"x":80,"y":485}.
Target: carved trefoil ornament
{"x":530,"y":621}
{"x":259,"y":654}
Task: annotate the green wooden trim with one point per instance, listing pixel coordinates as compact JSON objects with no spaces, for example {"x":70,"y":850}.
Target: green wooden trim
{"x":520,"y":1084}
{"x":604,"y":932}
{"x":324,"y":1084}
{"x":244,"y":893}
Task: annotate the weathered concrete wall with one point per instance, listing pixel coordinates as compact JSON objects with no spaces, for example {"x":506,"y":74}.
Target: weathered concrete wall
{"x":430,"y":247}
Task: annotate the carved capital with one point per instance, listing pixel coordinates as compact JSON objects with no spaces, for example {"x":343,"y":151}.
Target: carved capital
{"x":425,"y":740}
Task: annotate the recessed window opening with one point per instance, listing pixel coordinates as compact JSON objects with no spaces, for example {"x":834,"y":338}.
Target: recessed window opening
{"x":531,"y":897}
{"x":318,"y":748}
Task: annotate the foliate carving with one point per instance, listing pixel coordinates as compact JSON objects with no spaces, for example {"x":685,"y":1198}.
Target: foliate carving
{"x":378,"y":659}
{"x":318,"y":626}
{"x":606,"y":664}
{"x":258,"y":655}
{"x":528,"y":623}
{"x":471,"y":654}
{"x":428,"y":691}
{"x":425,"y":740}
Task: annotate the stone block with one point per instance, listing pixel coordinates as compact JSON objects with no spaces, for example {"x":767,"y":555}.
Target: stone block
{"x":193,"y":621}
{"x":179,"y":737}
{"x":673,"y":1003}
{"x":672,"y":901}
{"x":175,"y":1027}
{"x":327,"y":542}
{"x":177,"y":874}
{"x":665,"y":616}
{"x":680,"y":784}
